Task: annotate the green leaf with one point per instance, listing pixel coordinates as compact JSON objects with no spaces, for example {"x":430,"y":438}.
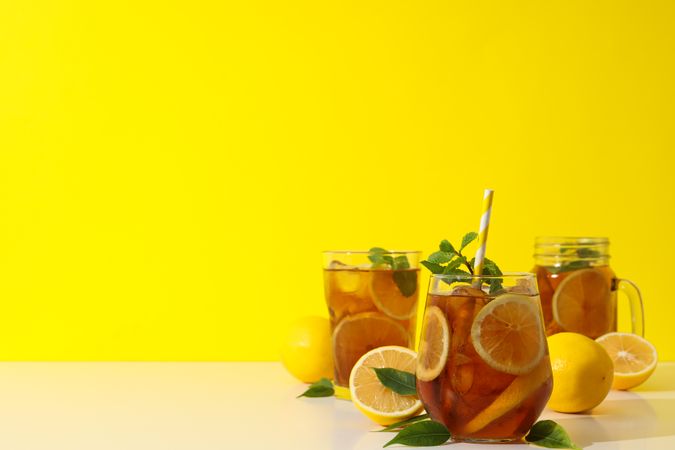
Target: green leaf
{"x":422,"y":434}
{"x":401,"y":262}
{"x":547,"y":433}
{"x":467,"y":239}
{"x":455,"y":263}
{"x":440,"y":257}
{"x":399,"y":381}
{"x":376,"y":250}
{"x":433,"y":267}
{"x":405,"y":422}
{"x":322,"y":388}
{"x":406,"y":281}
{"x":587,"y":253}
{"x":446,"y":246}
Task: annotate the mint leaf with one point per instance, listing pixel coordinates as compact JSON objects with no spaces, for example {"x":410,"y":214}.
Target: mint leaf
{"x":380,"y":257}
{"x":547,"y":433}
{"x":422,"y":434}
{"x":405,"y":422}
{"x":440,"y":257}
{"x":587,"y":253}
{"x":454,"y":264}
{"x":399,"y":381}
{"x":401,"y":262}
{"x":322,"y":388}
{"x":406,"y":281}
{"x":467,"y":239}
{"x":433,"y":267}
{"x":446,"y":246}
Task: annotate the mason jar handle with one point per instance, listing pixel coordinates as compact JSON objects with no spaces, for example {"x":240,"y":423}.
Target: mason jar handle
{"x":637,"y":315}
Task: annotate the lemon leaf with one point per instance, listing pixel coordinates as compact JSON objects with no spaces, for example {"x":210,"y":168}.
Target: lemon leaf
{"x":422,"y":434}
{"x":547,"y":433}
{"x":322,"y":388}
{"x":399,"y":381}
{"x":403,"y":423}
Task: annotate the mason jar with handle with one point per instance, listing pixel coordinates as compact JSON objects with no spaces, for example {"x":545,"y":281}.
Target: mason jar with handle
{"x":578,"y":288}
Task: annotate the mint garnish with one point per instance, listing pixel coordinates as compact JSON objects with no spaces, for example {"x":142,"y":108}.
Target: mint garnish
{"x":424,"y":433}
{"x":547,"y":433}
{"x":583,"y":253}
{"x":448,"y":261}
{"x":403,"y":423}
{"x":322,"y":388}
{"x":406,"y":280}
{"x":399,"y":381}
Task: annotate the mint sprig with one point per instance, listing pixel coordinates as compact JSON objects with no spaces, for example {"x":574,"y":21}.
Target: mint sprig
{"x":449,"y":261}
{"x":406,"y":280}
{"x":322,"y":388}
{"x":584,"y":254}
{"x":399,"y":381}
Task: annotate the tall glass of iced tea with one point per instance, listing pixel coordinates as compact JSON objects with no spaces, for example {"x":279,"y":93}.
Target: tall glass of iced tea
{"x":578,"y":288}
{"x":483,"y":368}
{"x":372,"y":301}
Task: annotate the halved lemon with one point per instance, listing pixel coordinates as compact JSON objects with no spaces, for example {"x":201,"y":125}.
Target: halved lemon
{"x":388,"y":298}
{"x":508,"y":334}
{"x":371,"y":397}
{"x":581,"y":303}
{"x":634,"y":358}
{"x":434,"y":344}
{"x":357,"y":334}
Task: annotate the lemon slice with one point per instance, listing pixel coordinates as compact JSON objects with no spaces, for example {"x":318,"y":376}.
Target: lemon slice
{"x":357,"y":334}
{"x":581,"y":303}
{"x":388,"y":298}
{"x":634,"y":358}
{"x":381,"y":404}
{"x":434,"y":345}
{"x":508,"y":334}
{"x":515,"y":394}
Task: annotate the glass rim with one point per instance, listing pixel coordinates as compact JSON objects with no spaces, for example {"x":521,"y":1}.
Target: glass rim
{"x":482,"y":277}
{"x":368,"y":252}
{"x":567,"y":241}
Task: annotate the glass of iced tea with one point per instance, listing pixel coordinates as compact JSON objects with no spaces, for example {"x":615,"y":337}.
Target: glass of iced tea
{"x":372,"y":301}
{"x":578,"y":288}
{"x":483,"y":368}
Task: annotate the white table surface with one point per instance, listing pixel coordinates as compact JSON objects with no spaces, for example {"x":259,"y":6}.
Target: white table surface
{"x":99,"y":406}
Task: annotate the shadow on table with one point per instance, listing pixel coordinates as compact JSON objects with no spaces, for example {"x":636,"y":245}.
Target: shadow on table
{"x":626,"y":419}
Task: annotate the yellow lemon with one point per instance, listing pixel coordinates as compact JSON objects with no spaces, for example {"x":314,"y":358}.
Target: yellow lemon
{"x":378,"y":403}
{"x":582,"y":372}
{"x":306,"y":349}
{"x":634,"y":358}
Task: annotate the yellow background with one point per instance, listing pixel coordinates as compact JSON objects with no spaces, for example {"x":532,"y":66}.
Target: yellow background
{"x":170,"y":171}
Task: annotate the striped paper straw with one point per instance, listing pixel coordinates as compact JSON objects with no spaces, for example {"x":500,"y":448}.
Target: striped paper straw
{"x":483,"y":232}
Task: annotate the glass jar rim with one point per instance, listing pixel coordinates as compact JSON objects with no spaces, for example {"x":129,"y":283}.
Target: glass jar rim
{"x":569,"y":240}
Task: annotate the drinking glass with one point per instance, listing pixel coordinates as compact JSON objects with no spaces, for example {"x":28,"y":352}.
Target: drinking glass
{"x":372,"y":301}
{"x":483,"y":368}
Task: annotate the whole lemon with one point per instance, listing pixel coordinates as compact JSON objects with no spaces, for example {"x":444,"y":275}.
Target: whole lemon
{"x":582,"y":372}
{"x":306,"y":350}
